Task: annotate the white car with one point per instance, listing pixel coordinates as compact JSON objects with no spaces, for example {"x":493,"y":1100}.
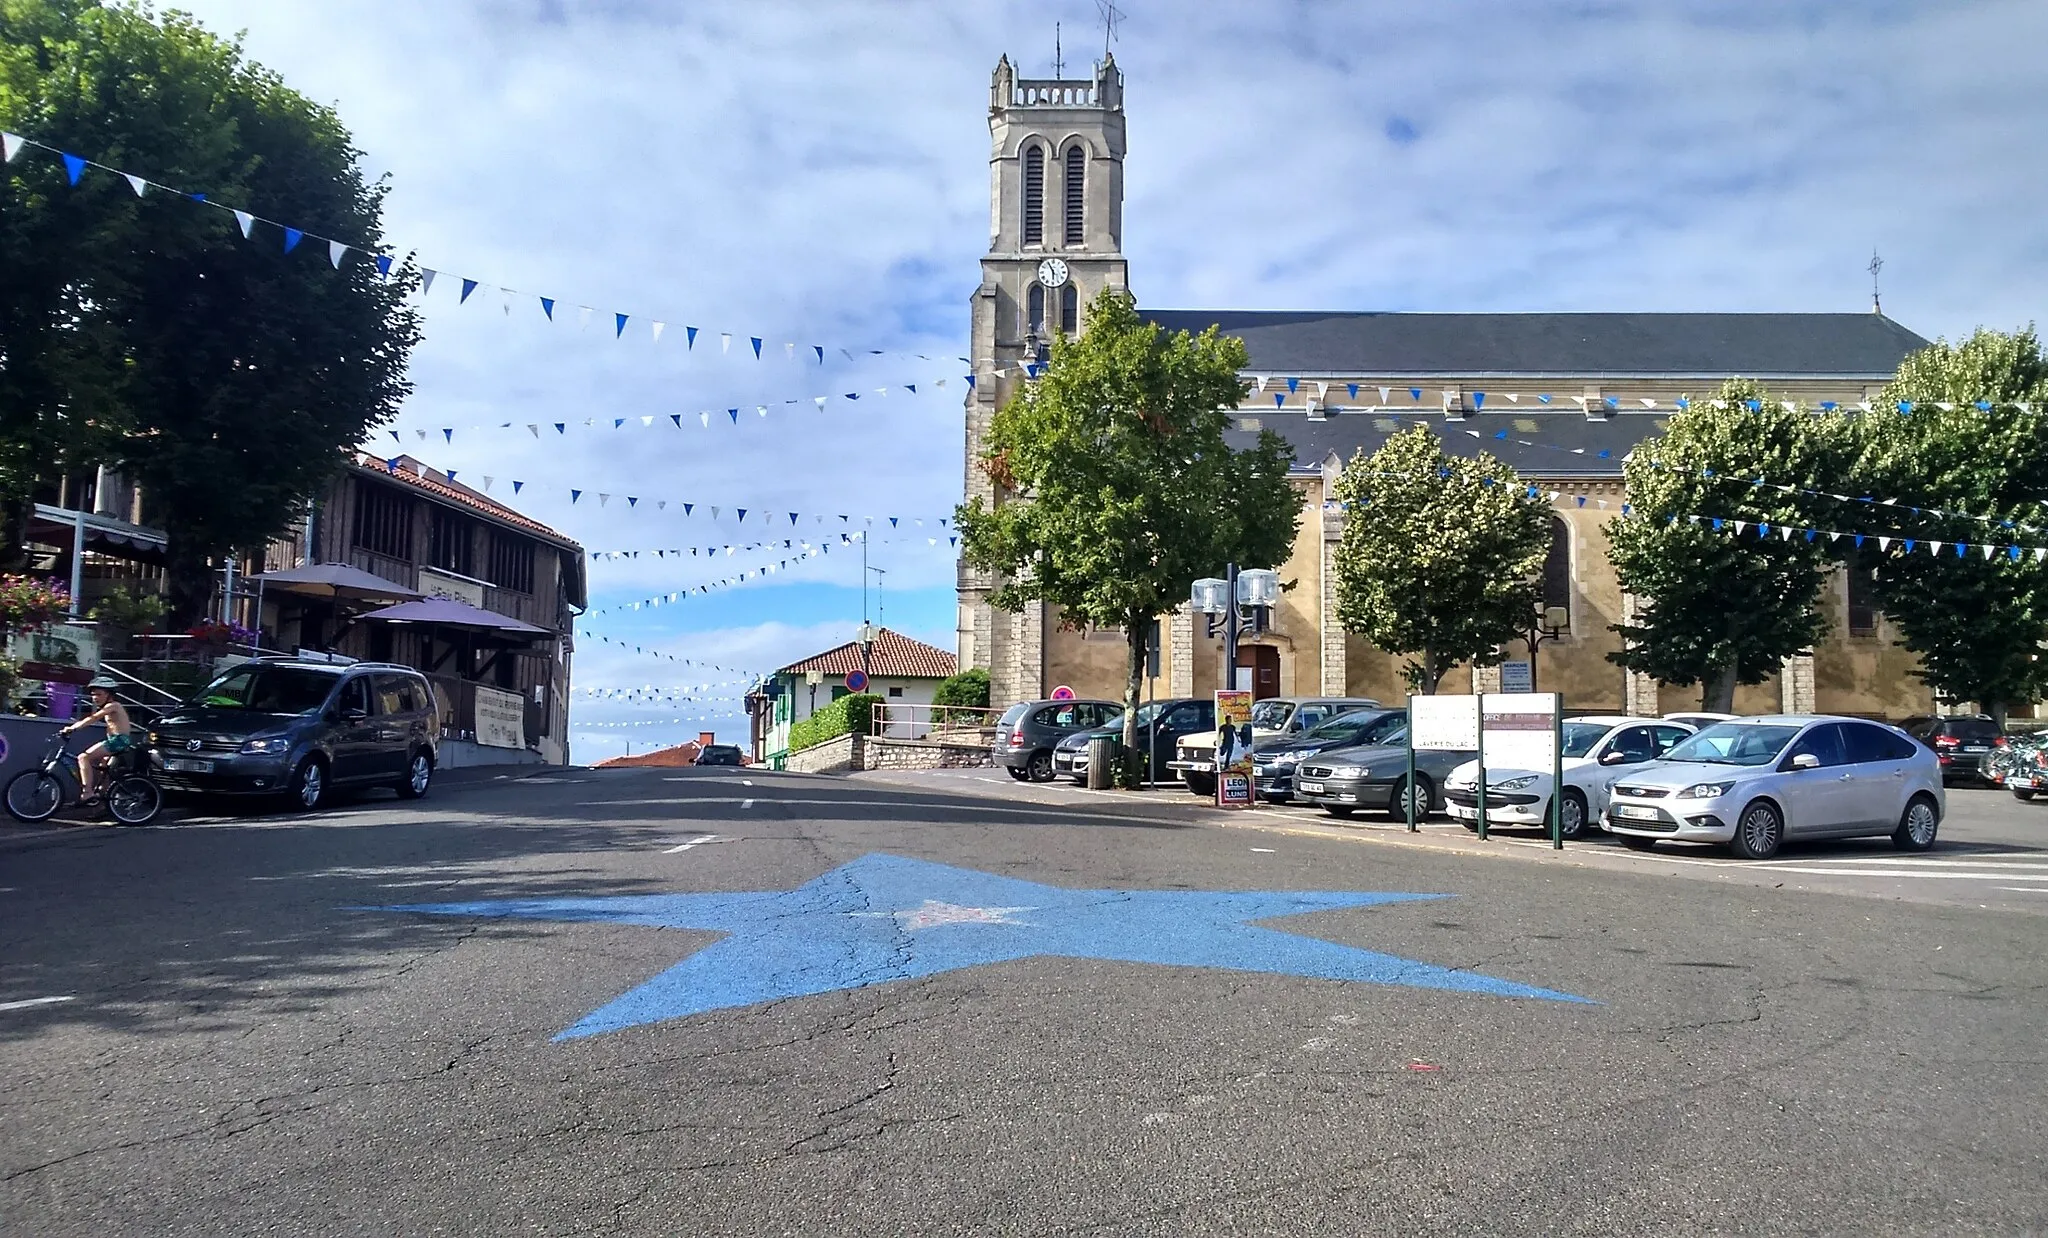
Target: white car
{"x":1595,"y":752}
{"x":1754,"y":782}
{"x":1698,"y":720}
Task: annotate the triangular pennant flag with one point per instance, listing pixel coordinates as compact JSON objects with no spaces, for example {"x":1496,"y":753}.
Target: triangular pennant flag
{"x":136,"y":183}
{"x":677,"y":418}
{"x":725,"y":341}
{"x":618,"y":325}
{"x":427,"y":280}
{"x":1278,"y":399}
{"x":561,"y":427}
{"x":819,"y":400}
{"x":447,"y":434}
{"x":617,"y":422}
{"x":705,"y":419}
{"x":292,"y":237}
{"x":10,"y":146}
{"x":547,"y":306}
{"x":575,"y":495}
{"x":1415,"y":393}
{"x":335,"y":252}
{"x":384,"y":265}
{"x":248,"y":221}
{"x":757,"y":346}
{"x":74,"y":167}
{"x":631,"y":501}
{"x":658,"y":326}
{"x":1478,"y":400}
{"x":735,"y":414}
{"x":468,"y":286}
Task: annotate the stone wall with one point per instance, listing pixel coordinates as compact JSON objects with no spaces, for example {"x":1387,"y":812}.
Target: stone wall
{"x":832,"y":756}
{"x":922,"y":754}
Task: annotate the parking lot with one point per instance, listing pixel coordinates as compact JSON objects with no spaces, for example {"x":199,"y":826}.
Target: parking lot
{"x":1992,"y":851}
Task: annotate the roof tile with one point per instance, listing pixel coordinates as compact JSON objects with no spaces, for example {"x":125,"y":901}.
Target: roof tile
{"x":894,"y":656}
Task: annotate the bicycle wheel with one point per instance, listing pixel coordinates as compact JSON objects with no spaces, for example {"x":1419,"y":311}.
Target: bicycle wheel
{"x":134,"y":800}
{"x":34,"y":795}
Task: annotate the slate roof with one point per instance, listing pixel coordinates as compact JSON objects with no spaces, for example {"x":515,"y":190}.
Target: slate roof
{"x":1562,"y":445}
{"x":1707,"y":346}
{"x":894,"y":656}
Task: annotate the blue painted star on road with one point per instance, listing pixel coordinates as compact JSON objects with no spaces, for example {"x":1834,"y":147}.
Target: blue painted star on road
{"x":884,"y":917}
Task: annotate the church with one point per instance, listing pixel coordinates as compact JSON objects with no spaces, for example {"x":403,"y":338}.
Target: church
{"x":1562,"y":397}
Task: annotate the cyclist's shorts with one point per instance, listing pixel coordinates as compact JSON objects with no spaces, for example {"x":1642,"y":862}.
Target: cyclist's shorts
{"x":119,"y":743}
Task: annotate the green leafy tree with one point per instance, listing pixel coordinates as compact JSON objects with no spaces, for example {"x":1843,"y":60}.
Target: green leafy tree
{"x":1439,"y":554}
{"x":1123,"y":489}
{"x":1721,"y":606}
{"x":224,"y":374}
{"x":1977,"y":622}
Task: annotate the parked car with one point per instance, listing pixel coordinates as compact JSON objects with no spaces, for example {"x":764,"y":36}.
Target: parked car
{"x":1698,"y":720}
{"x":1340,"y":781}
{"x":1028,"y":731}
{"x":1755,"y":782}
{"x":1960,"y":742}
{"x":1595,"y":752}
{"x":721,"y":754}
{"x":1161,"y":725}
{"x":2020,"y":765}
{"x":1194,"y":758}
{"x":278,"y":726}
{"x":1275,"y":760}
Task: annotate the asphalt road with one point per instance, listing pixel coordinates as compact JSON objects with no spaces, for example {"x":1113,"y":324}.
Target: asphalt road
{"x":253,"y":1035}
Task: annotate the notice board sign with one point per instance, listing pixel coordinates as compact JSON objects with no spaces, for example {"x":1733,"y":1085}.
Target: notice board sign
{"x":500,"y":718}
{"x":1521,"y":730}
{"x":1233,"y":749}
{"x":1443,"y":723}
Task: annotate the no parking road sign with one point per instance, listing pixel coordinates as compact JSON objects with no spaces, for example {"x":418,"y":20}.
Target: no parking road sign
{"x":857,"y":681}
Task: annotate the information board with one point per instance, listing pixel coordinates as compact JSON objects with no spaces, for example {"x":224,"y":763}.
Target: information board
{"x":500,"y":718}
{"x":1517,"y":677}
{"x":1521,"y":730}
{"x":1444,"y":723}
{"x":1233,"y":749}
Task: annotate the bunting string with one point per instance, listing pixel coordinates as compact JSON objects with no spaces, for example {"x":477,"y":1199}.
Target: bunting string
{"x":553,"y":309}
{"x":678,"y":659}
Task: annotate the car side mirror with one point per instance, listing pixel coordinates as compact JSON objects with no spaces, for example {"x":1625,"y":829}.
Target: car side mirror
{"x":1805,"y":760}
{"x":1615,"y":757}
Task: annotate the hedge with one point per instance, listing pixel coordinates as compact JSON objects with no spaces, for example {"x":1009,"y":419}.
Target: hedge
{"x":850,"y":714}
{"x":969,"y":687}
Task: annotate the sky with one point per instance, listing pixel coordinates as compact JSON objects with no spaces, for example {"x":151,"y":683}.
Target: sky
{"x":813,"y":172}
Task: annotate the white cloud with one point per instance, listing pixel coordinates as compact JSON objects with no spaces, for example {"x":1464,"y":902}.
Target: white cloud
{"x":814,"y":172}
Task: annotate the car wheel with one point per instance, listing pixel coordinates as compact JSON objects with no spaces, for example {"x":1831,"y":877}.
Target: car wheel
{"x":1636,"y":842}
{"x":1339,"y":810}
{"x":1018,"y":772}
{"x":1040,"y":767}
{"x":1571,"y":814}
{"x":1203,"y":785}
{"x":1759,"y":832}
{"x":308,"y":785}
{"x":1397,"y":799}
{"x":2023,"y":794}
{"x":1918,"y":826}
{"x":418,"y":773}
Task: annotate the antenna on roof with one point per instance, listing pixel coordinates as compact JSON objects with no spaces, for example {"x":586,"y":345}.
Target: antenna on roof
{"x":1111,"y":15}
{"x":1059,"y":60}
{"x":1876,"y":265}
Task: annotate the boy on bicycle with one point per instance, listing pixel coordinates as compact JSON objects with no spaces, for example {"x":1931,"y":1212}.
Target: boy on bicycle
{"x":120,"y":736}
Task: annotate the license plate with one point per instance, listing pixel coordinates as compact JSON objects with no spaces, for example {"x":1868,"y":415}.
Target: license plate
{"x":1316,"y":787}
{"x":1634,"y":813}
{"x":179,"y":765}
{"x":1977,"y":748}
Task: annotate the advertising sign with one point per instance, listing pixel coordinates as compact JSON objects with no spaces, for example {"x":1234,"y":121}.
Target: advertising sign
{"x":500,"y":718}
{"x":1521,"y":730}
{"x":1444,"y":723}
{"x":449,"y":585}
{"x":1233,"y":749}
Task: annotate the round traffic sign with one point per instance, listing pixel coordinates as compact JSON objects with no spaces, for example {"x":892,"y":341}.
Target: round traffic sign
{"x":857,"y":680}
{"x":1063,"y":693}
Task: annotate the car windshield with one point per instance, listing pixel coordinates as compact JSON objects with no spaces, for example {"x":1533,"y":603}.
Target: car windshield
{"x":1148,"y":711}
{"x":1271,"y":715}
{"x":1579,"y":737}
{"x":1014,"y":714}
{"x":1974,"y":730}
{"x":269,"y":689}
{"x":1735,"y":743}
{"x":1359,"y":728}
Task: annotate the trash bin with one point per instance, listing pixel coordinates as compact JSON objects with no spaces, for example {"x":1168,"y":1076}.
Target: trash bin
{"x":1102,"y":750}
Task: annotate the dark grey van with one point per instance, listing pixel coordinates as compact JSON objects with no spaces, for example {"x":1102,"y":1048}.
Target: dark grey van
{"x":1028,"y":730}
{"x":298,"y":729}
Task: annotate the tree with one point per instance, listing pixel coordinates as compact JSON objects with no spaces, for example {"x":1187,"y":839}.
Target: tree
{"x":228,"y":374}
{"x":967,"y":688}
{"x":1724,"y":596}
{"x":1439,"y":554}
{"x":1124,"y":489}
{"x":1977,"y":623}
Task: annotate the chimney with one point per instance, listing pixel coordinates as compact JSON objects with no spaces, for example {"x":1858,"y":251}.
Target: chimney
{"x":706,"y":738}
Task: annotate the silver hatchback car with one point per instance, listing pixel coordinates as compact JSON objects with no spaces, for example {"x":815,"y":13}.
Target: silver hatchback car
{"x":1752,"y":783}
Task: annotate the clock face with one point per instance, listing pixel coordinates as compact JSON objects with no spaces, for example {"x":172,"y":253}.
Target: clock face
{"x":1052,"y":272}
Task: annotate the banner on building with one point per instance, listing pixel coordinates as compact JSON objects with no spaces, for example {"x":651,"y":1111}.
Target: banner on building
{"x":500,"y":718}
{"x":1233,"y":749}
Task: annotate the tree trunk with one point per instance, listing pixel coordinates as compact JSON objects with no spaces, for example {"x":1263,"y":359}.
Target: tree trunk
{"x":1997,"y":710}
{"x":188,"y":585}
{"x":1136,"y":633}
{"x":1717,"y":695}
{"x":1431,"y":674}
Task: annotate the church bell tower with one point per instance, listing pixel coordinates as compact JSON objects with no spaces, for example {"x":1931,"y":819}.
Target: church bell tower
{"x":1056,"y":224}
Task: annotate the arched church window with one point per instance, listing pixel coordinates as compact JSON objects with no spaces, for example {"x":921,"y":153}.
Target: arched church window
{"x":1034,"y":317}
{"x":1557,"y":567}
{"x":1077,"y":197}
{"x":1070,"y":308}
{"x":1034,"y":195}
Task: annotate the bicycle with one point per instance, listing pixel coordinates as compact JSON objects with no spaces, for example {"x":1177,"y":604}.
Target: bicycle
{"x":36,"y":795}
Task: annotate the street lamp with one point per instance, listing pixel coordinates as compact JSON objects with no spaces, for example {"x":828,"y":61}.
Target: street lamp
{"x":1550,"y":623}
{"x":867,"y":644}
{"x":1239,"y":604}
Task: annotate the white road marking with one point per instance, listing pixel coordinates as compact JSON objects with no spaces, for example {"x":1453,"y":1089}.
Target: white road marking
{"x":1891,"y":872}
{"x":2026,"y":889}
{"x":695,"y":842}
{"x":1264,"y":850}
{"x":2030,"y":860}
{"x":34,"y":1001}
{"x":746,"y":782}
{"x":746,"y":803}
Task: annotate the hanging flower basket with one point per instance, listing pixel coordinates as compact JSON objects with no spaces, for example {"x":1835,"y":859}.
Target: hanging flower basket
{"x":214,"y":637}
{"x":31,"y":603}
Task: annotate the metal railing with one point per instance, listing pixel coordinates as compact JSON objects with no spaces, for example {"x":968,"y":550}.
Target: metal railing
{"x":946,"y":723}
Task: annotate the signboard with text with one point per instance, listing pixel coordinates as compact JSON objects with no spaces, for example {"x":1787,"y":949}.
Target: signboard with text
{"x":1444,"y":723}
{"x":500,"y":718}
{"x":1517,"y":676}
{"x":1521,"y":730}
{"x":1233,"y":749}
